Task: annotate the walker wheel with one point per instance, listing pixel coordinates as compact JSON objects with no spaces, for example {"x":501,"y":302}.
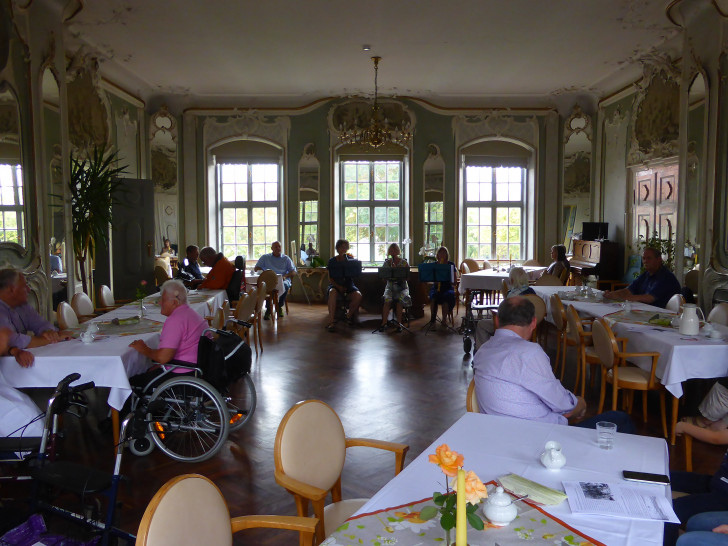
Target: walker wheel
{"x":467,"y":345}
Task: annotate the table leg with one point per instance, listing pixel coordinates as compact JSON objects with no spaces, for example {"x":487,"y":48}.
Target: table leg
{"x":675,"y":402}
{"x":115,"y":424}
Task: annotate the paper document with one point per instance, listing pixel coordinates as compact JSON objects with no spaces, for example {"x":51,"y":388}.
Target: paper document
{"x":622,"y":501}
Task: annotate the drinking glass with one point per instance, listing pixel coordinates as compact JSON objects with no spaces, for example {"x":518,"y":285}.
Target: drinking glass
{"x":606,"y":432}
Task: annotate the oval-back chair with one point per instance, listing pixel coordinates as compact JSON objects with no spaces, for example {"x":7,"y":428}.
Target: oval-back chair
{"x":615,"y":371}
{"x":190,"y":509}
{"x":82,"y":306}
{"x":66,"y":316}
{"x":675,"y":303}
{"x":548,"y":280}
{"x":270,"y":278}
{"x":309,"y":453}
{"x":719,"y":314}
{"x":471,"y":401}
{"x":581,"y":337}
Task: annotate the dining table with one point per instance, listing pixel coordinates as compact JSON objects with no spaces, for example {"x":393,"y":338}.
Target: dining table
{"x":495,"y":446}
{"x":252,"y":278}
{"x":682,"y":357}
{"x":108,"y":360}
{"x":492,"y":279}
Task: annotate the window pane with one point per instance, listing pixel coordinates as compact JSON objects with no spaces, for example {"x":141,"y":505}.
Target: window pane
{"x":363,"y":191}
{"x":258,"y":191}
{"x":349,"y":191}
{"x":393,"y":192}
{"x":380,"y":191}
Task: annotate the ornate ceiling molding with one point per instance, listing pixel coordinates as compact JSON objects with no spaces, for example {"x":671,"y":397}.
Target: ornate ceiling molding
{"x":577,"y":122}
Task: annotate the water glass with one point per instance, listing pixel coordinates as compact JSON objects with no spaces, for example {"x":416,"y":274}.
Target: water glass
{"x":606,"y":432}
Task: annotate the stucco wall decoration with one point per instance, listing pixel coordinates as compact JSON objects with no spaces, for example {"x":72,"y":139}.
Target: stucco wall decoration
{"x":89,"y":120}
{"x":163,"y":137}
{"x":500,"y":123}
{"x":656,"y":112}
{"x":250,"y":123}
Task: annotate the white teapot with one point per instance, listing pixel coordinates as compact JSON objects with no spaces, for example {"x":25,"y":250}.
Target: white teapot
{"x":499,"y":508}
{"x":689,"y":321}
{"x":552,"y":457}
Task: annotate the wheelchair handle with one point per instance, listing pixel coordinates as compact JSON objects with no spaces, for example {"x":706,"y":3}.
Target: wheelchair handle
{"x":70,"y":378}
{"x":82,"y":387}
{"x":240,"y":322}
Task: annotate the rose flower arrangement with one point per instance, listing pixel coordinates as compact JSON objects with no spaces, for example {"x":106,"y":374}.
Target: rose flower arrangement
{"x":450,"y":462}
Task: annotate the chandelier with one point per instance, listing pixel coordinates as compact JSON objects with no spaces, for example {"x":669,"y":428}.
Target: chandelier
{"x":379,"y":130}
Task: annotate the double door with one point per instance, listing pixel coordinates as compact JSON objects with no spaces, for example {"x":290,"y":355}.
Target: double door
{"x":655,"y":202}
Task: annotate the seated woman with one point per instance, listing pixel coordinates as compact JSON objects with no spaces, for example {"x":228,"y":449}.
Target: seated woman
{"x":706,"y":529}
{"x":396,"y":291}
{"x":517,"y":286}
{"x":560,"y":263}
{"x":341,"y":286}
{"x":442,"y":293}
{"x":167,"y":248}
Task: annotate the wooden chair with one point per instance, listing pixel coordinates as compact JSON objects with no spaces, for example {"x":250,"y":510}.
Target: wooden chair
{"x":106,"y":299}
{"x":270,"y":279}
{"x":190,"y":509}
{"x":548,"y":280}
{"x":160,"y":275}
{"x":471,"y":401}
{"x":487,"y":265}
{"x":719,"y":314}
{"x":558,"y":316}
{"x":83,"y":307}
{"x":540,"y":306}
{"x":309,"y":453}
{"x":66,"y":316}
{"x":564,"y":277}
{"x":259,"y":304}
{"x":580,"y":337}
{"x":615,"y":371}
{"x":675,"y":303}
{"x":531,"y":263}
{"x":246,"y":311}
{"x":472,"y":265}
{"x":692,"y":281}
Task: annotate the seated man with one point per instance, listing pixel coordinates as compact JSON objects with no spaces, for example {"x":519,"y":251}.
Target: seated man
{"x":513,"y":376}
{"x":190,"y":265}
{"x":180,"y":334}
{"x":655,"y":286}
{"x":282,"y":265}
{"x":28,"y":328}
{"x":221,"y":273}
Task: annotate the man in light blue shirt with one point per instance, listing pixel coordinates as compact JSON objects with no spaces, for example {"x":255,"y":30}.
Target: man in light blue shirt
{"x":513,"y":376}
{"x":282,"y":265}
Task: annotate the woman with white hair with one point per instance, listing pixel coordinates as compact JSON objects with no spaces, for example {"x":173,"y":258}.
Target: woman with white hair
{"x":517,"y":286}
{"x":180,"y":334}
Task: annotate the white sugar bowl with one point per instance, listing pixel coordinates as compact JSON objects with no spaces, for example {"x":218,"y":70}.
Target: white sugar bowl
{"x":552,"y":457}
{"x":499,"y":508}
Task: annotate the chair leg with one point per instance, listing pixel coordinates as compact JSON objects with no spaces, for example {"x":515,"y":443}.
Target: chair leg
{"x":602,"y":391}
{"x":558,"y":352}
{"x":563,"y":358}
{"x":615,"y":393}
{"x":663,"y":413}
{"x":644,"y":406}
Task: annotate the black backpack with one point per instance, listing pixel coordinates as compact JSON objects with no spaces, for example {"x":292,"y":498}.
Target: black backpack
{"x":223,"y":360}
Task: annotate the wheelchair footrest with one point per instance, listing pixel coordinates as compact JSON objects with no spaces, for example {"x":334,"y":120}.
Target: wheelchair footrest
{"x":30,"y":443}
{"x":73,"y":477}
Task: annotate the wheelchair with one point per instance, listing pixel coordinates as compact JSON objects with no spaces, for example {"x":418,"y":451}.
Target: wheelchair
{"x":189,"y":417}
{"x":53,"y":477}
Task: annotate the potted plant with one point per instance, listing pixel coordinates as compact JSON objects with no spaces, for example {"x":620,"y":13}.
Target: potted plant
{"x":666,"y":247}
{"x":94,"y":179}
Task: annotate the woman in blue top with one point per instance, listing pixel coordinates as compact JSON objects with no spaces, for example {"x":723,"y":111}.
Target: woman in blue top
{"x":442,"y":293}
{"x":341,"y":286}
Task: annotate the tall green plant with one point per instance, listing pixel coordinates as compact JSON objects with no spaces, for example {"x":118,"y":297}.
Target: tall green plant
{"x":666,"y":247}
{"x":93,"y":182}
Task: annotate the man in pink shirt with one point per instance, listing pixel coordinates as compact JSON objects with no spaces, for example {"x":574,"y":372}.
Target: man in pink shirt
{"x":180,"y":334}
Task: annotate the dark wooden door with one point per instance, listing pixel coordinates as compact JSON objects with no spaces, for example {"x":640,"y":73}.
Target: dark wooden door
{"x":655,"y":202}
{"x":130,"y":256}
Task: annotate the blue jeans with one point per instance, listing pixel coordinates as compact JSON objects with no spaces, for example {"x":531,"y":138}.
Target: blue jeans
{"x":702,"y":498}
{"x":699,"y":530}
{"x":622,"y":420}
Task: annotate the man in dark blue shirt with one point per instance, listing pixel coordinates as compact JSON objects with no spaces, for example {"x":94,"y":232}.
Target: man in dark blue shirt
{"x":655,"y":286}
{"x":190,"y":264}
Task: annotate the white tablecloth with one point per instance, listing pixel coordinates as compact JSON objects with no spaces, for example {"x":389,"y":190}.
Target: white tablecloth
{"x":204,"y":302}
{"x":495,"y":446}
{"x":681,"y":357}
{"x":108,"y":362}
{"x":490,"y":279}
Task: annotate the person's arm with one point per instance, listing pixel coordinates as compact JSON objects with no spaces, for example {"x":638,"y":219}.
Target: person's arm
{"x":22,"y":357}
{"x":579,"y":410}
{"x":260,"y":265}
{"x":717,"y":437}
{"x":721,"y":529}
{"x":621,"y":294}
{"x":290,"y":270}
{"x":157,"y":355}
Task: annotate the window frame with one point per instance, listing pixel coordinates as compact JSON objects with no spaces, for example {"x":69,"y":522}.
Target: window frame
{"x":371,"y":203}
{"x":17,"y":181}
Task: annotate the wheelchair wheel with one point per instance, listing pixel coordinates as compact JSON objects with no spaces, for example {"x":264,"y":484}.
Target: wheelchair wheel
{"x":141,"y":447}
{"x":241,"y":399}
{"x":192,"y":424}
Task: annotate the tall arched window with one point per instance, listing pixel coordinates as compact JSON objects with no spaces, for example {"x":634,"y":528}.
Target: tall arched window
{"x":496,"y":201}
{"x":248,"y":177}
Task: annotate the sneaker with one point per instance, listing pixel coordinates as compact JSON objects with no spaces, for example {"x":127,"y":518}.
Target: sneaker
{"x":382,"y":327}
{"x":266,"y":316}
{"x":280,"y":313}
{"x":330,"y":327}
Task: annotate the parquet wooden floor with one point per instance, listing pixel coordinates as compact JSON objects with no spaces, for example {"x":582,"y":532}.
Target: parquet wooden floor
{"x":399,"y":387}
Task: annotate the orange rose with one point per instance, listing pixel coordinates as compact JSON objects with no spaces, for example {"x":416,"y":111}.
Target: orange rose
{"x":475,"y":490}
{"x":448,"y":461}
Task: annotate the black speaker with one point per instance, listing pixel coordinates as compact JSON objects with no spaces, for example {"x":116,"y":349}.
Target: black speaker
{"x":594,"y":231}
